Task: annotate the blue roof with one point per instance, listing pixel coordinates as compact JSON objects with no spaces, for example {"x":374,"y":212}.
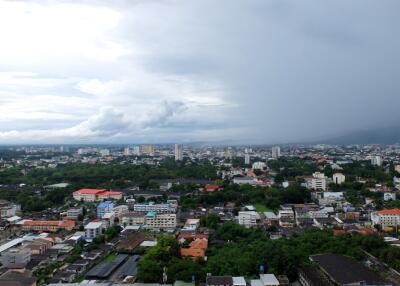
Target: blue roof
{"x":105,"y":204}
{"x":151,"y":214}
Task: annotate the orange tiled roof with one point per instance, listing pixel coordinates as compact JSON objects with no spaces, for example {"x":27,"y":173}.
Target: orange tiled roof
{"x":66,"y":223}
{"x":193,"y":252}
{"x":389,"y":212}
{"x":199,"y":244}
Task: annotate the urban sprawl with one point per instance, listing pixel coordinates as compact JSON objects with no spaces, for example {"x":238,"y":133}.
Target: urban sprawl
{"x":185,"y":215}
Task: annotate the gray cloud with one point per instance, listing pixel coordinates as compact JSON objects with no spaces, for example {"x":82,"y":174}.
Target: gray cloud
{"x":258,"y":71}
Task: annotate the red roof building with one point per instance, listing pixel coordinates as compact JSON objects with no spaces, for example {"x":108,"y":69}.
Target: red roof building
{"x":93,"y":195}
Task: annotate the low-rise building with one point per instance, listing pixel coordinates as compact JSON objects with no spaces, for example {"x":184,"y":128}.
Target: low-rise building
{"x":385,"y":218}
{"x":169,"y":207}
{"x":316,"y":182}
{"x":93,"y":229}
{"x":338,"y":178}
{"x":95,"y":195}
{"x":160,"y":221}
{"x":104,"y":207}
{"x":46,"y":225}
{"x":248,"y":218}
{"x":16,"y":257}
{"x":74,"y":213}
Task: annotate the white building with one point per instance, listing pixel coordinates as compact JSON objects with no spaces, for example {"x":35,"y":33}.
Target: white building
{"x":388,"y":196}
{"x":127,"y":151}
{"x":338,"y":178}
{"x":244,"y":180}
{"x":376,"y":161}
{"x":259,"y":166}
{"x":94,"y":229}
{"x":104,"y":152}
{"x":316,"y":182}
{"x":178,"y":152}
{"x":169,"y":207}
{"x":247,"y":159}
{"x":136,"y":150}
{"x":276,"y":152}
{"x":265,"y":280}
{"x":388,"y":217}
{"x":248,"y":218}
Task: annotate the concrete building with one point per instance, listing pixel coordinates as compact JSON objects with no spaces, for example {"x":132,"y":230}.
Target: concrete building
{"x":248,"y":218}
{"x":46,"y":225}
{"x":338,"y":178}
{"x":104,"y":207}
{"x":316,"y":182}
{"x":94,"y":229}
{"x":265,"y":280}
{"x":169,"y":207}
{"x":74,"y":213}
{"x":8,"y":209}
{"x":96,"y":195}
{"x":104,"y":152}
{"x":132,"y":218}
{"x":160,"y":221}
{"x":247,"y":159}
{"x":276,"y":152}
{"x":147,"y":149}
{"x":385,"y":218}
{"x":127,"y":151}
{"x":259,"y":166}
{"x":376,"y":161}
{"x":16,"y":257}
{"x":178,"y":152}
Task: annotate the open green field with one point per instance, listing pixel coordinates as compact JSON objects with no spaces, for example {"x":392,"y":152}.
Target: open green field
{"x":261,"y":207}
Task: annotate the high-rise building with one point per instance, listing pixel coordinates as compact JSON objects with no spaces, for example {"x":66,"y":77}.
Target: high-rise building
{"x":276,"y":152}
{"x":136,"y":150}
{"x":376,"y":161}
{"x":247,"y":159}
{"x":104,"y":152}
{"x":127,"y":151}
{"x":147,"y":149}
{"x":178,"y":152}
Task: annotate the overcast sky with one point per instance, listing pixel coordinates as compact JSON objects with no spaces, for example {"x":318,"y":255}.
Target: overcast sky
{"x":242,"y":71}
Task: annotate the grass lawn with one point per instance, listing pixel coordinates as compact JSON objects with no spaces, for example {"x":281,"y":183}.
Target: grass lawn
{"x":261,"y":207}
{"x":110,"y":257}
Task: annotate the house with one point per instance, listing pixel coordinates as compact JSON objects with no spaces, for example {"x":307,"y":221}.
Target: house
{"x":211,"y":188}
{"x":265,"y":280}
{"x":219,"y":281}
{"x":197,"y":248}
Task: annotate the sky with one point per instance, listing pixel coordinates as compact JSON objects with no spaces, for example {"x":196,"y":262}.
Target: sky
{"x":241,"y":71}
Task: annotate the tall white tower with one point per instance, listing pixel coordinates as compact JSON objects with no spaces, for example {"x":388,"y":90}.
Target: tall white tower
{"x":178,"y":152}
{"x":276,"y":152}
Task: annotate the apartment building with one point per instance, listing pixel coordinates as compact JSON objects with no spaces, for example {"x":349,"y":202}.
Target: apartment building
{"x":248,"y":218}
{"x":316,"y":182}
{"x":170,"y":206}
{"x":94,"y":229}
{"x":160,"y":221}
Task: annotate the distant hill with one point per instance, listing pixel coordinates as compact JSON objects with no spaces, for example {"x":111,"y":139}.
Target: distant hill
{"x":386,"y":135}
